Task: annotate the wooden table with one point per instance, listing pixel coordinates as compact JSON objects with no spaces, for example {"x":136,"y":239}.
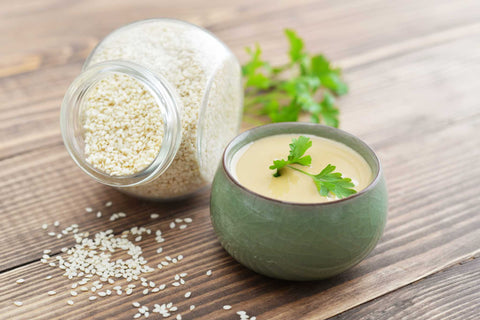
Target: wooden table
{"x":413,"y":67}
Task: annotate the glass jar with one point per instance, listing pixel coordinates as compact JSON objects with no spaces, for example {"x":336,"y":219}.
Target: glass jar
{"x":155,"y":105}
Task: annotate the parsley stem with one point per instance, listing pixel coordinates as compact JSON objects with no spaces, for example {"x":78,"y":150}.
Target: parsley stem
{"x":299,"y":170}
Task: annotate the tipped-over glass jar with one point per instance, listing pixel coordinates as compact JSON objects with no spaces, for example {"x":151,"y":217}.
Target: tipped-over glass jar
{"x":153,"y":109}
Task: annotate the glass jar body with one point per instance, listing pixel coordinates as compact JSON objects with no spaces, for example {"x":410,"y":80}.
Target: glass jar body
{"x":205,"y":78}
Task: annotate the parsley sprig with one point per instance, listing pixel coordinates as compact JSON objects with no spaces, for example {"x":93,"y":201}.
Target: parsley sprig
{"x":327,"y":181}
{"x":311,"y":87}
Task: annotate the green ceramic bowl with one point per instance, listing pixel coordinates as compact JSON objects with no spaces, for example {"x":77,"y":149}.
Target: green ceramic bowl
{"x":295,"y":241}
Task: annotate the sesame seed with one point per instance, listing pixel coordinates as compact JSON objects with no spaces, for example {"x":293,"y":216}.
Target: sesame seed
{"x":56,"y":223}
{"x":48,"y":277}
{"x":183,"y":226}
{"x":108,"y":204}
{"x":178,"y":220}
{"x":162,"y":286}
{"x":183,"y":274}
{"x":139,"y":238}
{"x":188,"y":294}
{"x":20,"y":281}
{"x":209,"y":273}
{"x":154,"y":215}
{"x":192,"y":307}
{"x":59,"y":236}
{"x":44,"y":226}
{"x":51,"y":293}
{"x":137,"y":315}
{"x":73,"y":293}
{"x":99,"y":214}
{"x":18,"y":303}
{"x":177,"y":277}
{"x":188,"y":220}
{"x":179,"y":317}
{"x":88,"y":209}
{"x":253,"y":318}
{"x":227,"y":307}
{"x":182,"y":281}
{"x":91,"y":298}
{"x":155,"y":289}
{"x":159,"y":250}
{"x":51,"y":234}
{"x":175,"y":284}
{"x":145,"y":291}
{"x":172,"y":225}
{"x":70,"y":302}
{"x":180,"y":257}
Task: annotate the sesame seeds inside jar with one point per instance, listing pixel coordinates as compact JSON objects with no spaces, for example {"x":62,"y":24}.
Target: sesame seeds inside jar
{"x":151,"y":113}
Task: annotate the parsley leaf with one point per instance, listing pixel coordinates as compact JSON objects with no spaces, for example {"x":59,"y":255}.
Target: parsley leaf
{"x":307,"y":84}
{"x":327,"y":181}
{"x":298,"y":147}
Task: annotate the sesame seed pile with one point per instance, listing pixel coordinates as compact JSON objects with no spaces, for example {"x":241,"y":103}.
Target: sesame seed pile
{"x":95,"y":272}
{"x":205,"y":77}
{"x":123,"y":126}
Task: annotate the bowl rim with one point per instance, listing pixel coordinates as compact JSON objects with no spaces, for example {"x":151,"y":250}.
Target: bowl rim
{"x":244,"y":134}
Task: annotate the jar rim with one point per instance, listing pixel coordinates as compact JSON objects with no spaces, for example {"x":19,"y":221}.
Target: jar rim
{"x":165,"y":97}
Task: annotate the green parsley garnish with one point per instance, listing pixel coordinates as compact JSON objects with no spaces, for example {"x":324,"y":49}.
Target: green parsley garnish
{"x":311,"y":86}
{"x":327,"y":181}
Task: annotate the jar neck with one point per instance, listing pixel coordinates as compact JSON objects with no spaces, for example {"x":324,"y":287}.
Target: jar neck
{"x":72,"y":117}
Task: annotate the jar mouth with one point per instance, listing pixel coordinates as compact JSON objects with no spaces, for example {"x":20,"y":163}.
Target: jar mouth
{"x":73,"y":106}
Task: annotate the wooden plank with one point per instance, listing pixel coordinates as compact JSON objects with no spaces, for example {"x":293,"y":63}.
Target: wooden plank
{"x":450,"y":294}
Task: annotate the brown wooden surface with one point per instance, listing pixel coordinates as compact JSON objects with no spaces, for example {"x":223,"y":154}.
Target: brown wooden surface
{"x":413,"y":71}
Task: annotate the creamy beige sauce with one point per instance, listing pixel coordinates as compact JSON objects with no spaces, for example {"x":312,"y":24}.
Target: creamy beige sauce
{"x":250,"y":167}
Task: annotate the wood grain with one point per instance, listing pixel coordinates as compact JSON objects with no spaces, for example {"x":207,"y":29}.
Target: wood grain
{"x":450,"y":294}
{"x":413,"y":71}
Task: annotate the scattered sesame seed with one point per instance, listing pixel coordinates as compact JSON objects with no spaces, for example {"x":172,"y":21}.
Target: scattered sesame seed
{"x":182,"y":281}
{"x":175,"y":284}
{"x":73,"y":293}
{"x":178,"y":220}
{"x":51,"y":234}
{"x":137,"y":315}
{"x":172,"y":225}
{"x":51,"y":293}
{"x":183,"y":226}
{"x":91,"y":298}
{"x":188,"y":220}
{"x":18,"y":303}
{"x":102,"y":293}
{"x":108,"y":204}
{"x":188,"y":294}
{"x":209,"y":273}
{"x":70,"y":302}
{"x":162,"y":286}
{"x":159,"y":250}
{"x":128,"y":291}
{"x":192,"y":307}
{"x":48,"y":277}
{"x":88,"y":209}
{"x":179,"y":317}
{"x":99,"y":214}
{"x":154,"y":215}
{"x":253,"y":318}
{"x":177,"y":277}
{"x":59,"y":236}
{"x":20,"y":281}
{"x":145,"y":291}
{"x":227,"y":307}
{"x":155,"y":289}
{"x":136,"y":304}
{"x":183,"y":274}
{"x":180,"y":257}
{"x":56,"y":223}
{"x":139,"y":238}
{"x":44,"y":226}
